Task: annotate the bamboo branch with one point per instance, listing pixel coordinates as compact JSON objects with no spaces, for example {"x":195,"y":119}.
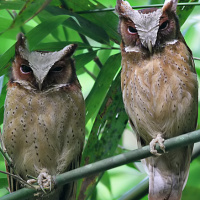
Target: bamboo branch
{"x":135,"y":7}
{"x":141,"y":189}
{"x":195,"y":58}
{"x":137,"y":192}
{"x":110,"y":163}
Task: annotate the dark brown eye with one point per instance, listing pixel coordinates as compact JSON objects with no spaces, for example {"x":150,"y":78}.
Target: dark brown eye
{"x":57,"y":69}
{"x":132,"y":30}
{"x":164,"y":25}
{"x":25,"y":69}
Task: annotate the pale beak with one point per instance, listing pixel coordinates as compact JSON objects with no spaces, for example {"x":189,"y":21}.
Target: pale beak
{"x":149,"y":45}
{"x":40,"y":86}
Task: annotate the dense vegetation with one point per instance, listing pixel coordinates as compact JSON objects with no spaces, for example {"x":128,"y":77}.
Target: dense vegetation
{"x":51,"y":25}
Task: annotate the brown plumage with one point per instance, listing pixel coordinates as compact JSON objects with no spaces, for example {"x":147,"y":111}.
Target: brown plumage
{"x":44,"y":117}
{"x":160,"y":92}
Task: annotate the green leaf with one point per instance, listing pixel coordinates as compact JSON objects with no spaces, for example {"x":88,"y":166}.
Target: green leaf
{"x":3,"y":96}
{"x":156,"y":1}
{"x":4,"y":60}
{"x":80,"y":24}
{"x":56,"y":46}
{"x":11,"y":5}
{"x":100,"y":88}
{"x":3,"y":192}
{"x":34,"y":37}
{"x":4,"y":23}
{"x":30,"y":10}
{"x":3,"y":177}
{"x":106,"y":180}
{"x":1,"y":114}
{"x":184,"y":11}
{"x":85,"y":58}
{"x":107,"y":20}
{"x":43,"y":29}
{"x":105,"y":135}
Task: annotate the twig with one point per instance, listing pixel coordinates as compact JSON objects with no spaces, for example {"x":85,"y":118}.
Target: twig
{"x":96,"y":59}
{"x":134,"y":7}
{"x":17,"y":178}
{"x":3,"y":152}
{"x":91,"y":74}
{"x":31,"y":177}
{"x":195,"y":58}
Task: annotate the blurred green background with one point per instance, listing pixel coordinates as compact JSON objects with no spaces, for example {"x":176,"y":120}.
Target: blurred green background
{"x":61,"y":22}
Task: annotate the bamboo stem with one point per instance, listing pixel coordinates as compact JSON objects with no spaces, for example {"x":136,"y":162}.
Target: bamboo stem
{"x":110,"y":163}
{"x":135,"y":7}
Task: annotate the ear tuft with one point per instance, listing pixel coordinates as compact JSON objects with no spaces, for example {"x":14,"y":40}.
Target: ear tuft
{"x":68,"y":50}
{"x":21,"y":42}
{"x":118,"y":6}
{"x":170,"y":5}
{"x":122,"y":7}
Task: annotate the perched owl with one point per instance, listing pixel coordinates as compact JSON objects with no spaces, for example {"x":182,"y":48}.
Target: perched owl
{"x":159,"y":86}
{"x":44,"y":117}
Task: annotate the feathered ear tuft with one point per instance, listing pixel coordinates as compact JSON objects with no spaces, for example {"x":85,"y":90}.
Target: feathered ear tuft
{"x":118,"y":6}
{"x":170,"y":5}
{"x":68,"y":51}
{"x":21,"y":42}
{"x":123,"y":7}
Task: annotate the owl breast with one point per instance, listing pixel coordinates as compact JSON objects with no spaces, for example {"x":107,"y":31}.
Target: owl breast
{"x":153,"y":103}
{"x":46,"y":129}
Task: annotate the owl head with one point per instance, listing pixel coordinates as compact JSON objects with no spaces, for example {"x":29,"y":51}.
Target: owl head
{"x":43,"y":70}
{"x":148,"y":29}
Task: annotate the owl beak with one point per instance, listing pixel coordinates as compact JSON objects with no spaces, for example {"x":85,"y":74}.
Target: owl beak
{"x":40,"y":82}
{"x":149,"y":45}
{"x":40,"y":77}
{"x":40,"y":86}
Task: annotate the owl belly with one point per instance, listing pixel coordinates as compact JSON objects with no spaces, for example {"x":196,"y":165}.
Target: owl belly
{"x":158,"y":100}
{"x":42,"y":130}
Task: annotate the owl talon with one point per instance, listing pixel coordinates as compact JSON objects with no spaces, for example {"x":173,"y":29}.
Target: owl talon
{"x":44,"y":181}
{"x":160,"y":142}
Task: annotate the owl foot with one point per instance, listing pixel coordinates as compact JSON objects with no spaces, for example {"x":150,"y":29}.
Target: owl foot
{"x":44,"y":181}
{"x":160,"y":142}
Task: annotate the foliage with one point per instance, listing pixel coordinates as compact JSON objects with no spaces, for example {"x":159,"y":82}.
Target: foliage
{"x":51,"y":25}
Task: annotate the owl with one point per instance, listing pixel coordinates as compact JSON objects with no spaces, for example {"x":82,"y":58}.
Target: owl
{"x":44,"y":117}
{"x":160,"y":92}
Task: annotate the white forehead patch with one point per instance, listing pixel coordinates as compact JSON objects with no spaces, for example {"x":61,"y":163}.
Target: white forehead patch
{"x":147,"y":25}
{"x":41,"y":62}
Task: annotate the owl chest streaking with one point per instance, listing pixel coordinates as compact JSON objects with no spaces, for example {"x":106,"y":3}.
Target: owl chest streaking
{"x":152,"y":102}
{"x":44,"y":115}
{"x":160,"y":92}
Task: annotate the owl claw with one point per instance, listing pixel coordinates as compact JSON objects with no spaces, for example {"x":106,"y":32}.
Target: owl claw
{"x":44,"y":181}
{"x":160,"y":142}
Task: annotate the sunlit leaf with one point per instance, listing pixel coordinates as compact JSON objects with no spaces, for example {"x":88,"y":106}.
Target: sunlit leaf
{"x":85,"y":58}
{"x":105,"y":135}
{"x":30,"y":9}
{"x":102,"y":84}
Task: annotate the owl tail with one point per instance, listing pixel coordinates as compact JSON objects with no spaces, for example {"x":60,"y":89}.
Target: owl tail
{"x":168,"y":174}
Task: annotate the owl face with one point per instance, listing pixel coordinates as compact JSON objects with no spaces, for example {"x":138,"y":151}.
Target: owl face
{"x":42,"y":70}
{"x":147,"y":29}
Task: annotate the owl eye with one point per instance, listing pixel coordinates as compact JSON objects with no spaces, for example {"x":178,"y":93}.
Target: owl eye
{"x":164,"y":25}
{"x":57,"y":69}
{"x":132,"y":30}
{"x":25,"y":69}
